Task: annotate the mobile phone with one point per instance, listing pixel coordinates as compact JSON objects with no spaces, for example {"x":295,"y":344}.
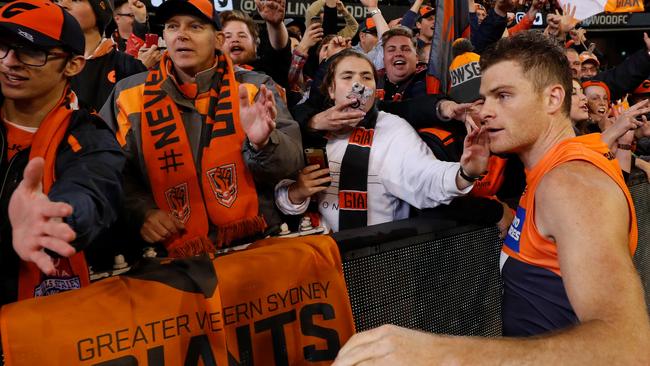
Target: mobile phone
{"x":315,"y":19}
{"x":317,"y":156}
{"x":150,"y":39}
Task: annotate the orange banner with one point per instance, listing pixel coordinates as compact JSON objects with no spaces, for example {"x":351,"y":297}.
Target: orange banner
{"x":281,"y":302}
{"x":285,"y":304}
{"x":624,"y":6}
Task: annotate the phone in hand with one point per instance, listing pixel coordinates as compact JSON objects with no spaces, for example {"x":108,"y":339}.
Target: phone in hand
{"x":150,"y":39}
{"x":316,"y":156}
{"x":315,"y":19}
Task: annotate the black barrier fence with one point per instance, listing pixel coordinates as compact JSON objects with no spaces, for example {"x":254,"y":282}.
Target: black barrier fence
{"x":640,"y":190}
{"x":430,"y":274}
{"x":437,"y":277}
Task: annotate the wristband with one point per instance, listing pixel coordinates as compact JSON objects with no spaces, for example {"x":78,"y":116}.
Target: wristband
{"x":625,"y":146}
{"x":373,"y":12}
{"x":439,"y":112}
{"x":468,"y":177}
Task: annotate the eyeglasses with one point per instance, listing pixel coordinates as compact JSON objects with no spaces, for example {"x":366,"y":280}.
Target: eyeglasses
{"x":30,"y":56}
{"x":126,"y":15}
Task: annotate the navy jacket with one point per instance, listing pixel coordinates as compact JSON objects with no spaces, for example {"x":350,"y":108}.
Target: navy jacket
{"x":90,"y":180}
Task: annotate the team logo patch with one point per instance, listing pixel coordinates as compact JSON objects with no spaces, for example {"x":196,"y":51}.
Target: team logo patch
{"x":26,"y":35}
{"x":223,"y":181}
{"x":514,"y":232}
{"x":16,"y":9}
{"x":111,"y":76}
{"x":53,"y":285}
{"x":178,"y":201}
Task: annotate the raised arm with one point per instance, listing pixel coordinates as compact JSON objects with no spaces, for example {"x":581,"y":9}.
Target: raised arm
{"x":377,"y":17}
{"x":272,"y":11}
{"x":630,"y":73}
{"x":351,"y":25}
{"x":411,"y":15}
{"x":492,"y":27}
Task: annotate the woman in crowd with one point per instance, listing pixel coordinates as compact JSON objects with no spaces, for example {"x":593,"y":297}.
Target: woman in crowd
{"x":378,"y":164}
{"x":591,"y":114}
{"x":579,"y":109}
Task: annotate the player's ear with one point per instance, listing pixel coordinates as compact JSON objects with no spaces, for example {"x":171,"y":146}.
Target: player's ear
{"x":554,"y":98}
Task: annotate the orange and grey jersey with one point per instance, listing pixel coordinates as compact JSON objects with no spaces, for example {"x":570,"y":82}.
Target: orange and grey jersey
{"x":280,"y":158}
{"x":534,"y":298}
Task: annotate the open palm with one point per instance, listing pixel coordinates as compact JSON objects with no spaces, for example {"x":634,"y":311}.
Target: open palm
{"x":257,"y":116}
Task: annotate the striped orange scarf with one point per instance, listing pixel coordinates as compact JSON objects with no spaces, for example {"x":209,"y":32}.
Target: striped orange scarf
{"x":71,"y":273}
{"x":221,"y":190}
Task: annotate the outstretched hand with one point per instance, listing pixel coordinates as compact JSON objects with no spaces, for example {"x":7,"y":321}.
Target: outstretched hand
{"x":460,"y":112}
{"x":139,"y":11}
{"x":37,"y":223}
{"x":272,"y":11}
{"x":568,"y":20}
{"x":553,"y":22}
{"x":624,"y":123}
{"x":476,"y":152}
{"x":257,"y":117}
{"x":313,"y":35}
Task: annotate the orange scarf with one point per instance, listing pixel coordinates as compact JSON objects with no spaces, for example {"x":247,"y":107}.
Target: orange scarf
{"x":224,"y":194}
{"x":71,"y":273}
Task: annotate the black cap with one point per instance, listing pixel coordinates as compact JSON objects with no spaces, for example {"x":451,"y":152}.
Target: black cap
{"x":203,"y":9}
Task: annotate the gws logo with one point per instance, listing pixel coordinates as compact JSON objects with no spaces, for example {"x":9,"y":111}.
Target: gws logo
{"x":178,"y":201}
{"x":17,"y":8}
{"x":223,"y":181}
{"x":514,"y":232}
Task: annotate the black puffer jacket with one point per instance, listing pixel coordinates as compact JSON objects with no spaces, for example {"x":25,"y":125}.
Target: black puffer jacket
{"x":89,"y":180}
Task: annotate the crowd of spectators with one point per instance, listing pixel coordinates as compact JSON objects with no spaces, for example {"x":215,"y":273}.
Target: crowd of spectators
{"x":195,"y":139}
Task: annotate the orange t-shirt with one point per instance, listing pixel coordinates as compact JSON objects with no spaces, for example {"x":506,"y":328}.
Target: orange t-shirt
{"x":18,"y":138}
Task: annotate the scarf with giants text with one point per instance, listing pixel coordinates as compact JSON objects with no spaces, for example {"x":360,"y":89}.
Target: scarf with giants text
{"x":353,"y":183}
